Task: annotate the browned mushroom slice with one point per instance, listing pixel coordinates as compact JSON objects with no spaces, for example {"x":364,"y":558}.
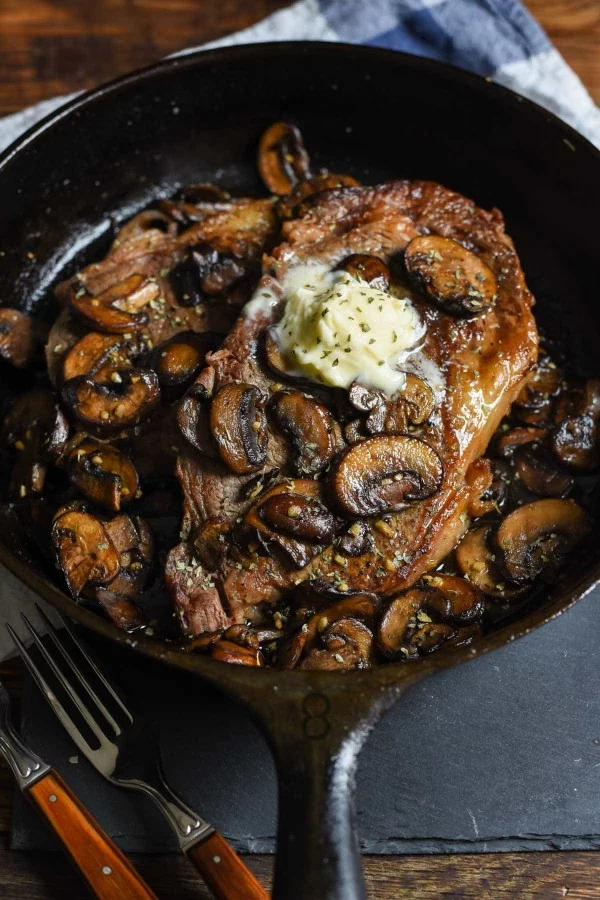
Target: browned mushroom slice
{"x":491,"y":500}
{"x":84,"y":550}
{"x":134,"y":543}
{"x":314,"y":433}
{"x":238,"y":425}
{"x":535,"y":538}
{"x":398,"y":621}
{"x":481,"y":565}
{"x":356,"y":541}
{"x":456,"y":600}
{"x":541,"y":386}
{"x":145,"y":222}
{"x":540,"y":474}
{"x":120,"y":308}
{"x":301,"y":517}
{"x":328,"y":181}
{"x":509,"y":441}
{"x":36,"y":430}
{"x":450,"y":275}
{"x":204,"y":273}
{"x":193,"y":419}
{"x":20,"y":337}
{"x":242,"y":635}
{"x":111,"y":407}
{"x":429,"y":637}
{"x":277,"y":362}
{"x":98,"y":356}
{"x":228,"y":652}
{"x":282,"y":158}
{"x":178,"y":360}
{"x":382,"y":474}
{"x":292,"y":516}
{"x":368,"y":268}
{"x":575,"y":441}
{"x":412,"y":405}
{"x":348,"y":645}
{"x":103,"y":474}
{"x":121,"y":610}
{"x":205,"y":193}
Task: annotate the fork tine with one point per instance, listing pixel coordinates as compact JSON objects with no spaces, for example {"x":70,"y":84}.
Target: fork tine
{"x":96,"y":670}
{"x":64,"y":683}
{"x":49,"y":694}
{"x":76,"y":671}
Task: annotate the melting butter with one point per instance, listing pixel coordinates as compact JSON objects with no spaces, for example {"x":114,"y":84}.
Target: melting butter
{"x":336,"y":329}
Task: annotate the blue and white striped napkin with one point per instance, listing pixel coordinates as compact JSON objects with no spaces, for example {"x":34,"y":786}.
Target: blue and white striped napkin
{"x":495,"y":38}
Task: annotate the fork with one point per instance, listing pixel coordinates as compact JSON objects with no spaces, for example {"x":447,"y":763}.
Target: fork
{"x":108,"y":873}
{"x":127,"y":757}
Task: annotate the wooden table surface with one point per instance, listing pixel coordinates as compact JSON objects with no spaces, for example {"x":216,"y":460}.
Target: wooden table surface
{"x":50,"y":47}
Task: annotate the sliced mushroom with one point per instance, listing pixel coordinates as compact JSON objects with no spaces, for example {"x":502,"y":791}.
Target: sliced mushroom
{"x":481,"y":565}
{"x":429,"y":637}
{"x":204,"y":273}
{"x":575,"y":440}
{"x":193,"y":419}
{"x":36,"y":430}
{"x":382,"y":474}
{"x":84,"y":550}
{"x":314,"y":433}
{"x":242,"y":635}
{"x":146,"y":222}
{"x":287,"y":206}
{"x":238,"y":425}
{"x":457,"y":600}
{"x":412,"y":405}
{"x":228,"y":652}
{"x":301,"y":517}
{"x":540,"y":474}
{"x":398,"y":621}
{"x":368,"y":268}
{"x":353,"y":608}
{"x":535,"y":538}
{"x":103,"y":474}
{"x":282,"y":158}
{"x":121,"y":610}
{"x":292,"y":516}
{"x":20,"y":337}
{"x":491,"y":500}
{"x":277,"y":362}
{"x":134,"y":543}
{"x":98,"y":356}
{"x":453,"y":277}
{"x":356,"y":541}
{"x":348,"y":645}
{"x":541,"y":386}
{"x":178,"y":360}
{"x":509,"y":441}
{"x":113,"y":406}
{"x":120,"y":308}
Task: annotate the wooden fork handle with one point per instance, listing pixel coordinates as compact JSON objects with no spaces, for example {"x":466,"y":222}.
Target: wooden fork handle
{"x":223,"y":870}
{"x":107,"y":871}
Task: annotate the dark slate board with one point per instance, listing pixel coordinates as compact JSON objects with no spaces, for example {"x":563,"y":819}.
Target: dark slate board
{"x":502,"y":753}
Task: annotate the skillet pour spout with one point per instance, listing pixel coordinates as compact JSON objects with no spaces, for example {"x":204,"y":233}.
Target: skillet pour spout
{"x":60,"y":195}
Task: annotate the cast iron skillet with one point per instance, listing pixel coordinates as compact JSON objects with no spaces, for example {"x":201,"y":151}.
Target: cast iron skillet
{"x":377,"y":115}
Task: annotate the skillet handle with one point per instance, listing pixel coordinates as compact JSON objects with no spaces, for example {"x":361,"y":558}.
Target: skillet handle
{"x":316,"y":738}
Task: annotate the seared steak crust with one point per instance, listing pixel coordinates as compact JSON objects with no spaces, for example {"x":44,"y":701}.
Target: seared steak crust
{"x":481,"y":363}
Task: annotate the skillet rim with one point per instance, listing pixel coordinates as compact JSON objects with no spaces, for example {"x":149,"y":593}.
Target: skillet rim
{"x":385,"y":674}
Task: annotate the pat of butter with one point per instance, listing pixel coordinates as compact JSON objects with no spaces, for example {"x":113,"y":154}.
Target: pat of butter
{"x":336,"y":329}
